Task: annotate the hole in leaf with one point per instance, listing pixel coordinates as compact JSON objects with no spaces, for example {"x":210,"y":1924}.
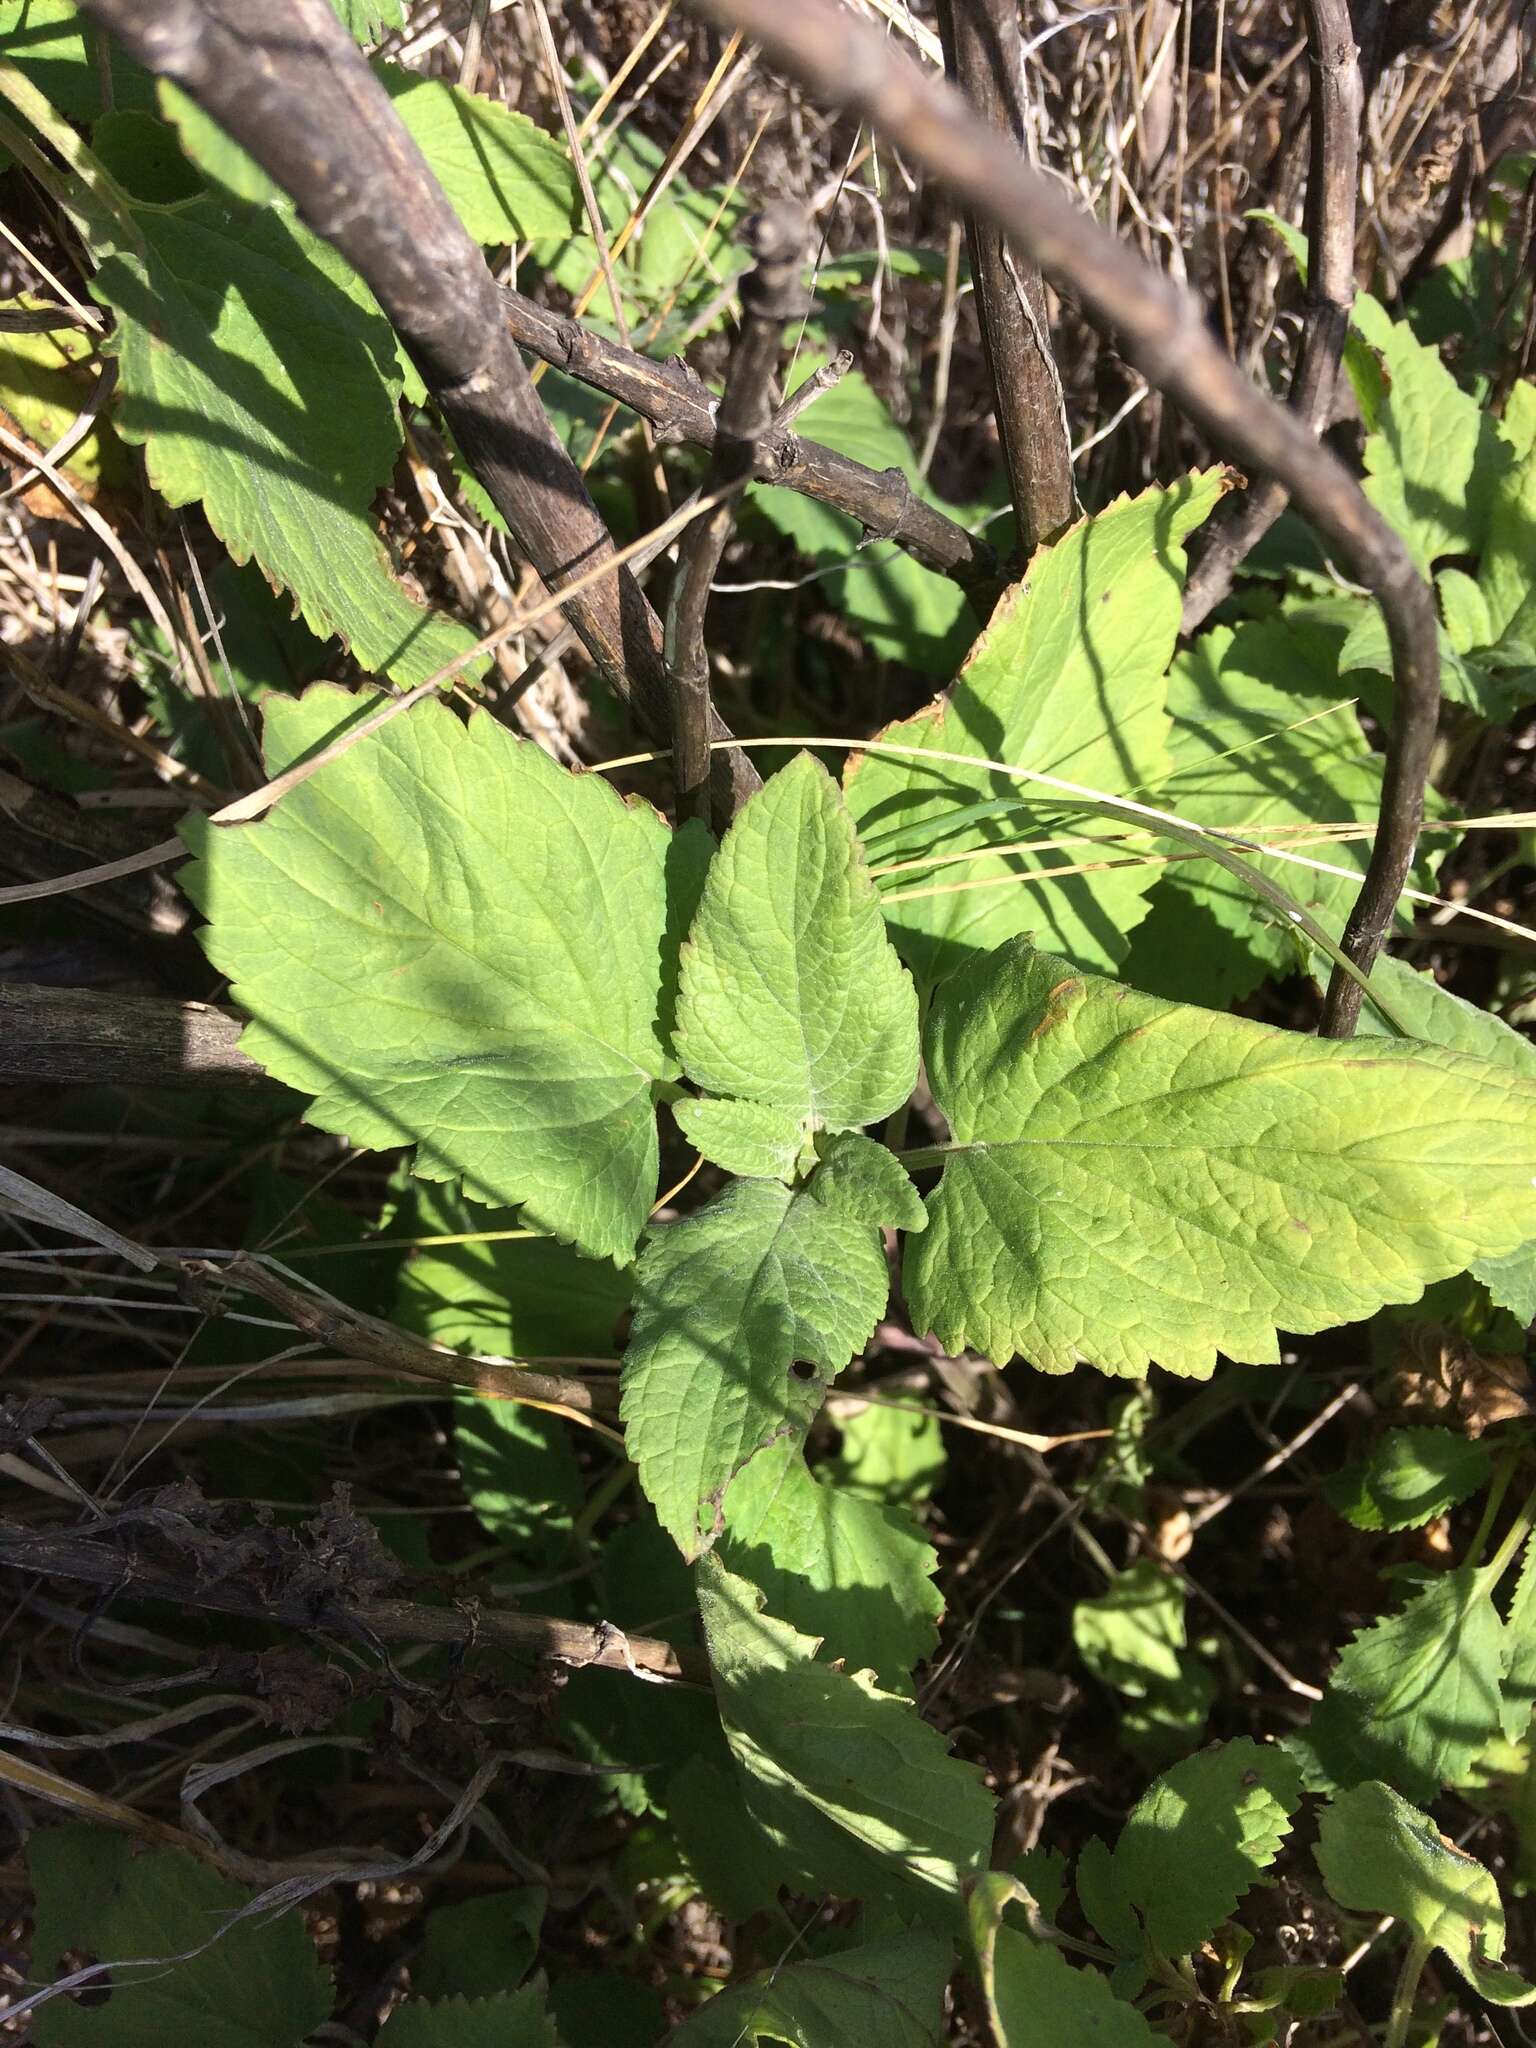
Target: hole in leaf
{"x":802,"y":1369}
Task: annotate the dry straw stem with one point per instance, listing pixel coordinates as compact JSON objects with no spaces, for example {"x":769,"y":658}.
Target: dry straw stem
{"x":1162,"y":328}
{"x":1333,"y":179}
{"x":291,"y":86}
{"x":984,"y":56}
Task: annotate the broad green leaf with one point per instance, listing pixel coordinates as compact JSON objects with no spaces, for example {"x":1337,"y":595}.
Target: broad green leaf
{"x":1446,"y":1019}
{"x":1519,"y":1691}
{"x":252,"y":1983}
{"x":746,"y":1311}
{"x":1415,"y":1696}
{"x":1410,"y":1476}
{"x":1037,"y":1999}
{"x":1484,"y":682}
{"x":51,"y":46}
{"x":509,"y":181}
{"x":519,"y":1473}
{"x":1378,"y":1854}
{"x":736,"y":1866}
{"x":834,"y":1564}
{"x":1507,"y":572}
{"x":261,"y":380}
{"x":46,"y":380}
{"x":1131,"y":1635}
{"x":1133,"y":1180}
{"x":865,"y":1181}
{"x":888,"y":1453}
{"x":1432,"y":462}
{"x":480,"y":1947}
{"x":450,"y":941}
{"x":1264,"y":737}
{"x":1198,"y":1838}
{"x":1067,"y":680}
{"x":791,"y":993}
{"x":1101,"y":1894}
{"x":368,"y":19}
{"x":890,"y":1992}
{"x":903,"y":611}
{"x":860,"y":1793}
{"x":1464,"y":609}
{"x":523,"y":1297}
{"x":751,"y":1138}
{"x":512,"y":2019}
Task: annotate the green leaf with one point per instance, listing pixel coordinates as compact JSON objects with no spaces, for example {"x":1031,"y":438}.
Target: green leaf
{"x":450,"y":941}
{"x":507,"y":179}
{"x":1130,"y":1637}
{"x":368,"y":19}
{"x":1507,"y":572}
{"x":1379,"y":1855}
{"x":888,"y":1453}
{"x":261,"y":380}
{"x":50,"y":45}
{"x":1415,"y":1696}
{"x":889,"y":1992}
{"x":865,"y":1181}
{"x":834,"y":1564}
{"x":743,"y":1137}
{"x":1037,"y":1999}
{"x":480,"y":1947}
{"x":859,"y":1792}
{"x":1067,"y":679}
{"x":1410,"y":1476}
{"x":1198,"y":1838}
{"x":1519,"y":1691}
{"x":791,"y":994}
{"x":513,"y":2019}
{"x":1464,"y":608}
{"x":252,"y":1983}
{"x":1135,"y":1180}
{"x":525,"y":1297}
{"x":1442,"y":1018}
{"x":1432,"y":462}
{"x":746,"y":1311}
{"x":1242,"y":757}
{"x":736,"y":1866}
{"x":903,"y":611}
{"x":519,"y":1473}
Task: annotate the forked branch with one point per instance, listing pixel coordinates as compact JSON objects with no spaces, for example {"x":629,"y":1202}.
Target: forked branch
{"x":290,"y":85}
{"x":1161,"y":327}
{"x":1333,"y":179}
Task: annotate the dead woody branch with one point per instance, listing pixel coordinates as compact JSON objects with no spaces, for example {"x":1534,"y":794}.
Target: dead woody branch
{"x":1333,"y":178}
{"x":128,"y":1570}
{"x":983,"y":55}
{"x":291,"y":86}
{"x":1161,"y":327}
{"x":681,"y":407}
{"x":771,"y":295}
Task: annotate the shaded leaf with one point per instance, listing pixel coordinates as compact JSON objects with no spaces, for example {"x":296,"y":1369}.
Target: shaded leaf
{"x":1378,"y":1854}
{"x":513,"y":2019}
{"x":834,"y":1564}
{"x":1135,"y":1180}
{"x":1131,"y":1635}
{"x":888,"y":1453}
{"x":890,"y":1992}
{"x":746,"y":1311}
{"x":859,"y":1792}
{"x":254,"y":1983}
{"x":1037,"y":1999}
{"x":478,"y":1948}
{"x":1410,"y":1476}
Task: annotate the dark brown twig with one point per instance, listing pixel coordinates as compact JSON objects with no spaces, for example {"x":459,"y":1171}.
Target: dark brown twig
{"x":982,"y":53}
{"x":771,"y":295}
{"x":681,"y":407}
{"x":103,"y":1561}
{"x":290,"y":85}
{"x":366,"y":1337}
{"x":76,"y":1036}
{"x":1333,"y":179}
{"x":1162,"y":329}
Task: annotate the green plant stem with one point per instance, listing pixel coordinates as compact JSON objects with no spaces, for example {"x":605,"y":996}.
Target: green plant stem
{"x":1404,"y":1993}
{"x":1514,"y":1535}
